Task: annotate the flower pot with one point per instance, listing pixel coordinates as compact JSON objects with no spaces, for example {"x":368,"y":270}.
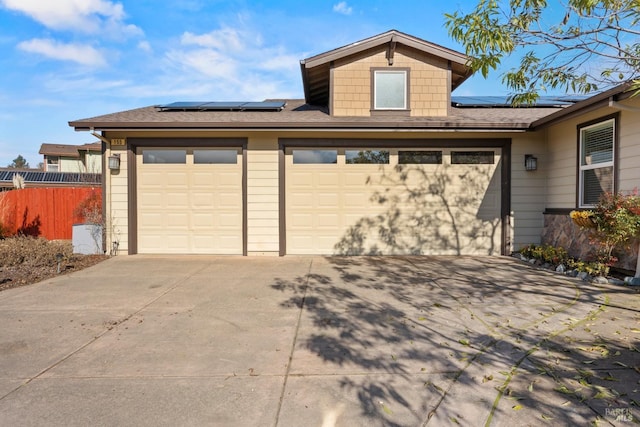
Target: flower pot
{"x":584,"y":222}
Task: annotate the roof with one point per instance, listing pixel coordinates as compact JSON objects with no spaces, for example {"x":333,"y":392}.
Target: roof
{"x":298,"y":115}
{"x":601,"y":99}
{"x":68,"y":150}
{"x":316,"y":69}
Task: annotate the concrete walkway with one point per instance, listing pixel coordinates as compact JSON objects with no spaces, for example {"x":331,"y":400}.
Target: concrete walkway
{"x":312,"y":341}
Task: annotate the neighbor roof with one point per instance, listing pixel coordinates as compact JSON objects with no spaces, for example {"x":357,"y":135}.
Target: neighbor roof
{"x":316,"y":69}
{"x":298,"y":115}
{"x":65,"y":150}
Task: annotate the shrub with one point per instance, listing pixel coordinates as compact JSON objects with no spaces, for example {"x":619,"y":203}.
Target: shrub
{"x":557,"y":255}
{"x":546,"y":253}
{"x":90,"y":209}
{"x":617,"y":220}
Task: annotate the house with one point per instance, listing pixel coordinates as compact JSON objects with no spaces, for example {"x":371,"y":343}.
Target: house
{"x":379,"y":158}
{"x":85,"y":158}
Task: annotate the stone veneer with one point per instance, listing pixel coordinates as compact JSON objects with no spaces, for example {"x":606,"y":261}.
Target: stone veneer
{"x":560,"y":231}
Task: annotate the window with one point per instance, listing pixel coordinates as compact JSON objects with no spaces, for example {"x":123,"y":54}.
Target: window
{"x":215,"y":157}
{"x":390,"y":89}
{"x":420,"y":157}
{"x":596,"y":161}
{"x":164,"y":156}
{"x":472,"y":158}
{"x":366,"y":157}
{"x":315,"y":156}
{"x":52,"y":164}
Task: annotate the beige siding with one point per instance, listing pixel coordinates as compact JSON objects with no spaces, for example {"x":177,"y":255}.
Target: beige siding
{"x":116,"y":201}
{"x":428,"y":85}
{"x":562,"y":184}
{"x":629,"y":148}
{"x":262,"y":196}
{"x":527,"y":189}
{"x":92,"y":164}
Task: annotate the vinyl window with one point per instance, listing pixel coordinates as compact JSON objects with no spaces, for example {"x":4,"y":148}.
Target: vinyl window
{"x":390,"y":90}
{"x":596,"y":161}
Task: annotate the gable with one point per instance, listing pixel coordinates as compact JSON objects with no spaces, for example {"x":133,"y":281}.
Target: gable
{"x":390,"y":49}
{"x":427,"y":81}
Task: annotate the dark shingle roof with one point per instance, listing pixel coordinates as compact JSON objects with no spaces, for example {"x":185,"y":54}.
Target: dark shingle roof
{"x":298,"y":115}
{"x":66,"y":150}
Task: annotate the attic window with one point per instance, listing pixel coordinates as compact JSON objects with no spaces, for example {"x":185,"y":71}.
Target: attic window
{"x":390,"y":89}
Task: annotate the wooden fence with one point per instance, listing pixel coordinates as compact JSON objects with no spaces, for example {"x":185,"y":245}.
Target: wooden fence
{"x":46,"y":212}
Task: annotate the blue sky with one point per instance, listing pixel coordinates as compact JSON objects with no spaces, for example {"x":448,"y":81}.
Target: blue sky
{"x":64,"y":60}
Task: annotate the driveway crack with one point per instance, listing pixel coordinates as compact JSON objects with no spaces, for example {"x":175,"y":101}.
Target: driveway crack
{"x":305,"y":286}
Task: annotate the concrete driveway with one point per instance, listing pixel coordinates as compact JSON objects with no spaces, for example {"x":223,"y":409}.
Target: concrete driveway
{"x":312,"y":341}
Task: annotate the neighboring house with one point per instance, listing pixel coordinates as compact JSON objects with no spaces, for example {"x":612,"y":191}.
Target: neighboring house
{"x":379,"y":158}
{"x":85,"y":158}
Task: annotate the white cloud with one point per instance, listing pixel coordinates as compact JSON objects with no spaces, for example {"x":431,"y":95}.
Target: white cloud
{"x":207,"y":62}
{"x":230,"y":63}
{"x":86,"y":16}
{"x":145,"y":46}
{"x":342,"y":8}
{"x":225,"y":39}
{"x":79,"y":53}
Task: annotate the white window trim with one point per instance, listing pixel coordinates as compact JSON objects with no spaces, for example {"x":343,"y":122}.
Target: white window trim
{"x":602,"y":165}
{"x":52,"y":164}
{"x":406,"y":88}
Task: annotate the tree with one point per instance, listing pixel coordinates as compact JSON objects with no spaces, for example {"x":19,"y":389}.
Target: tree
{"x":586,"y":45}
{"x":19,"y":163}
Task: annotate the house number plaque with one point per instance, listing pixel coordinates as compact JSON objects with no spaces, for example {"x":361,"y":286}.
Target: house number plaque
{"x":119,"y":141}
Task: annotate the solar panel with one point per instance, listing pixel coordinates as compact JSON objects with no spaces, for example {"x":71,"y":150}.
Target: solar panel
{"x":52,"y":177}
{"x":504,"y":101}
{"x":224,"y":106}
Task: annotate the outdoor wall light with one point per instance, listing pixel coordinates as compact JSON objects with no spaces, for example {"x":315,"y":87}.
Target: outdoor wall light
{"x":114,"y":162}
{"x":530,"y":162}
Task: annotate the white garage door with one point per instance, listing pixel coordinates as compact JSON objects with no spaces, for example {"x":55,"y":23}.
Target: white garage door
{"x":189,"y":201}
{"x":393,"y":201}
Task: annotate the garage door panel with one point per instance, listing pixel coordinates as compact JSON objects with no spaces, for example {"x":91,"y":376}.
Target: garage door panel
{"x":176,"y":179}
{"x":390,"y":209}
{"x":330,"y":221}
{"x":327,"y":179}
{"x":202,"y":200}
{"x":178,"y":200}
{"x":327,"y":200}
{"x":355,"y":200}
{"x":189,"y":208}
{"x":301,"y":220}
{"x":229,"y":221}
{"x":152,"y":200}
{"x":202,"y":221}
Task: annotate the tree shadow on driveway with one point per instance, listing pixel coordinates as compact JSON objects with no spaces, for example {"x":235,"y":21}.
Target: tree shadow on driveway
{"x":483,"y":341}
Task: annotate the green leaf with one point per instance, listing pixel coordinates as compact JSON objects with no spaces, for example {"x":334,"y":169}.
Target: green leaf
{"x":564,"y":390}
{"x":386,"y":410}
{"x":516,"y":407}
{"x":464,"y":342}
